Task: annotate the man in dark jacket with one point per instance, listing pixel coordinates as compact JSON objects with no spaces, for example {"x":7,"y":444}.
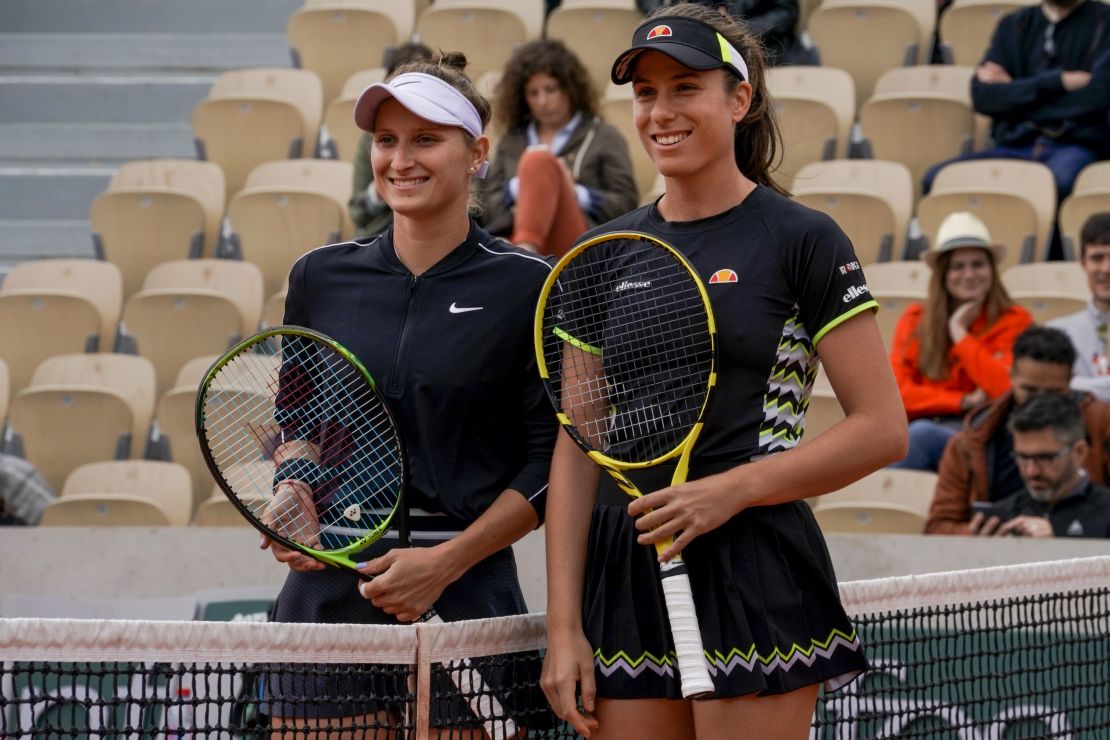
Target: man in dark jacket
{"x":978,"y":465}
{"x":1045,"y":83}
{"x":1059,"y":499}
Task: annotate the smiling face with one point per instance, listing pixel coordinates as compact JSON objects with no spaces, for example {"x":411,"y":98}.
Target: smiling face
{"x":420,"y":167}
{"x":969,"y":276}
{"x":547,"y":101}
{"x":686,"y":118}
{"x":1096,"y":263}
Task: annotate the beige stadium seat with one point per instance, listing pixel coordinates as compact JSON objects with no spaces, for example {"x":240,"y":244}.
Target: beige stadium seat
{"x":5,"y":393}
{"x":862,"y":518}
{"x":129,"y":376}
{"x":616,"y":109}
{"x":99,"y":281}
{"x":912,"y":489}
{"x":338,"y":39}
{"x":866,"y":38}
{"x":300,"y":87}
{"x":967,"y":26}
{"x":824,"y":410}
{"x":104,"y":510}
{"x":37,"y":324}
{"x":218,"y":511}
{"x":274,"y":227}
{"x":596,"y":31}
{"x":485,"y":30}
{"x":870,"y":199}
{"x":329,"y":176}
{"x":939,"y":79}
{"x":1095,"y":176}
{"x":916,"y":129}
{"x":274,"y":312}
{"x":203,"y":180}
{"x":165,"y":483}
{"x":1045,"y":306}
{"x":1010,"y":219}
{"x":192,"y":372}
{"x":1032,"y":181}
{"x":137,"y":228}
{"x":1074,"y":212}
{"x":815,"y":107}
{"x":403,"y":12}
{"x":1067,"y":278}
{"x":240,"y":133}
{"x":194,"y":308}
{"x":907,"y":276}
{"x":343,"y":135}
{"x":892,"y":304}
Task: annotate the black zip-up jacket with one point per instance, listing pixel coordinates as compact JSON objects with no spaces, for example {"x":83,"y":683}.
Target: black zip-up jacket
{"x":1085,"y":513}
{"x":452,"y":352}
{"x":1035,"y":103}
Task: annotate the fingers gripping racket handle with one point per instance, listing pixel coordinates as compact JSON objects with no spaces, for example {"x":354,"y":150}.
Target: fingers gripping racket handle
{"x":483,"y":702}
{"x":693,"y":669}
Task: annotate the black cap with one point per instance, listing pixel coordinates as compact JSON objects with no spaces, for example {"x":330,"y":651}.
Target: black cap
{"x":687,"y":41}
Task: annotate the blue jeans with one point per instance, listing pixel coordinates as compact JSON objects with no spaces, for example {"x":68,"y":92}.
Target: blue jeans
{"x":927,"y":440}
{"x":1065,"y":161}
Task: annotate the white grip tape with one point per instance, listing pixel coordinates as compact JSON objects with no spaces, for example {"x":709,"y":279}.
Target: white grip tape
{"x":479,"y":696}
{"x":692,"y":667}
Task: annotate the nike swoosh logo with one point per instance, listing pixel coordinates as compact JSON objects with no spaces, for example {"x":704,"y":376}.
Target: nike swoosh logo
{"x":464,"y":309}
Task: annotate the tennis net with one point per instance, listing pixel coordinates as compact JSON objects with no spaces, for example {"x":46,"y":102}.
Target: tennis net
{"x":1011,"y":652}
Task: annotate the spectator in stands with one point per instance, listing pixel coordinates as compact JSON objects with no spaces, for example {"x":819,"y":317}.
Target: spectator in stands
{"x":1058,"y":499}
{"x":978,"y":465}
{"x":1045,"y":83}
{"x":440,"y":312}
{"x":559,"y":169}
{"x":953,"y":352}
{"x":369,"y":213}
{"x":774,"y":21}
{"x":1089,"y":329}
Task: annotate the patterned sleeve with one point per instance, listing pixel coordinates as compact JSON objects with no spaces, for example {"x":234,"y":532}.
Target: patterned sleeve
{"x":828,"y":281}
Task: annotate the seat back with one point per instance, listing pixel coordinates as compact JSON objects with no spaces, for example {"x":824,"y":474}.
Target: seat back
{"x":338,"y":39}
{"x":104,"y":510}
{"x":1074,"y":212}
{"x":1010,"y":219}
{"x":38,"y":324}
{"x":165,"y":483}
{"x":935,"y":79}
{"x":892,"y":304}
{"x":967,"y":26}
{"x":853,"y":518}
{"x":240,"y":133}
{"x":866,"y":218}
{"x":596,"y":32}
{"x":403,"y":12}
{"x":240,"y":281}
{"x":276,"y":226}
{"x":1047,"y":277}
{"x":1045,"y":307}
{"x":274,"y":312}
{"x":302,"y":88}
{"x":907,"y":276}
{"x":136,"y":228}
{"x":616,"y":109}
{"x":5,"y":392}
{"x":217,"y":511}
{"x":1095,"y":176}
{"x":204,"y":180}
{"x":329,"y":176}
{"x":485,"y":31}
{"x":99,"y":281}
{"x":810,"y":133}
{"x":832,"y":86}
{"x":913,"y":489}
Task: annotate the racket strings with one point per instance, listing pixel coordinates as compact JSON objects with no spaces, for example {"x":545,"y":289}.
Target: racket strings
{"x":318,"y":405}
{"x":628,"y":348}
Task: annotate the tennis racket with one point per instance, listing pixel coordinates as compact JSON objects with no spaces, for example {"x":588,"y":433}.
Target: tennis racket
{"x":626,"y":346}
{"x":299,"y":439}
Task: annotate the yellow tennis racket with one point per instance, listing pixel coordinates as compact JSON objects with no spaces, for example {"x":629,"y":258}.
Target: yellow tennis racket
{"x":626,"y":346}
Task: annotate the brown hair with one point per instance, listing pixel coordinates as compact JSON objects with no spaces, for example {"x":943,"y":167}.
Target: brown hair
{"x":757,"y":141}
{"x":545,"y":56}
{"x":932,"y":332}
{"x":448,"y":66}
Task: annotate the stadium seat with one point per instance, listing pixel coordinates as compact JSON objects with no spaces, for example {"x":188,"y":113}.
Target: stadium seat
{"x":866,"y":38}
{"x":1010,"y":218}
{"x":273,"y":314}
{"x":824,"y":410}
{"x":274,"y":227}
{"x":1067,"y":278}
{"x":1094,"y":176}
{"x":967,"y":26}
{"x":335,"y":40}
{"x":916,"y":129}
{"x":165,"y":483}
{"x":137,"y":228}
{"x":815,"y":107}
{"x":343,"y":135}
{"x":131,"y":377}
{"x":192,"y":372}
{"x":485,"y":30}
{"x":870,"y":199}
{"x":37,"y":324}
{"x":863,"y":518}
{"x":5,"y":394}
{"x":908,"y":276}
{"x":300,"y":87}
{"x":1074,"y":212}
{"x":913,"y":489}
{"x":595,"y":30}
{"x":1045,"y":306}
{"x":1032,"y":181}
{"x":331,"y":177}
{"x":202,"y":180}
{"x":203,"y":305}
{"x":616,"y":109}
{"x":104,"y":510}
{"x":892,"y":304}
{"x":96,"y":280}
{"x":218,"y":511}
{"x":940,"y":79}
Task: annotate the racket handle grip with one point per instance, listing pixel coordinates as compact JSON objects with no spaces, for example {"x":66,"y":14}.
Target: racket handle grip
{"x":693,"y":670}
{"x":483,"y":702}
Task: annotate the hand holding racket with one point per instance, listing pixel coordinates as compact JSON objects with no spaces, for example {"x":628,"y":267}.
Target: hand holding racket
{"x":626,"y":346}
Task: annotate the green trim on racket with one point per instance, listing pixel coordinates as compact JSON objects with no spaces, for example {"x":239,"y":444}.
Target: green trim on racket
{"x":631,"y":319}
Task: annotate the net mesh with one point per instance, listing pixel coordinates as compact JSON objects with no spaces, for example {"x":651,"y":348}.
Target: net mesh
{"x":1014,"y":652}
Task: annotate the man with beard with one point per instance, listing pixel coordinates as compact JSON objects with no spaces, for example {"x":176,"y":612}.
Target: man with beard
{"x":1059,"y":499}
{"x":978,"y":463}
{"x":1045,"y":83}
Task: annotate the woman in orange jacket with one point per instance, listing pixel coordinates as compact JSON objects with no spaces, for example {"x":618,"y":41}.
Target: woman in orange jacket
{"x":953,"y":352}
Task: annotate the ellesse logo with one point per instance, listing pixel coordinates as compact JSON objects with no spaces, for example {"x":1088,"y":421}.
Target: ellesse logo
{"x":632,"y":285}
{"x":723,"y":276}
{"x":854,"y":292}
{"x":659,"y":31}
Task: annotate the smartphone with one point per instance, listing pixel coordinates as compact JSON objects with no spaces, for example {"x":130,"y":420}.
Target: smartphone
{"x":986,"y":508}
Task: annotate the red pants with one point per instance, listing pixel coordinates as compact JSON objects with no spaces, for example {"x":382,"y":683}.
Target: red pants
{"x":547,"y":212}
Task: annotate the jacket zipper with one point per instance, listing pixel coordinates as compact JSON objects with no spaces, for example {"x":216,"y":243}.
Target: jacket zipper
{"x":395,"y":375}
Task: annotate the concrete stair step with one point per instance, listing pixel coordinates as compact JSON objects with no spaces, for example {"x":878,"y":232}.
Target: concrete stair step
{"x":105,"y":143}
{"x":130,"y":16}
{"x":101,"y":99}
{"x":24,"y":239}
{"x":50,"y":193}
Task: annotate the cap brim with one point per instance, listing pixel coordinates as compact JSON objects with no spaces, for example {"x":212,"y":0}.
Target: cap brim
{"x":684,"y":54}
{"x":366,"y":107}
